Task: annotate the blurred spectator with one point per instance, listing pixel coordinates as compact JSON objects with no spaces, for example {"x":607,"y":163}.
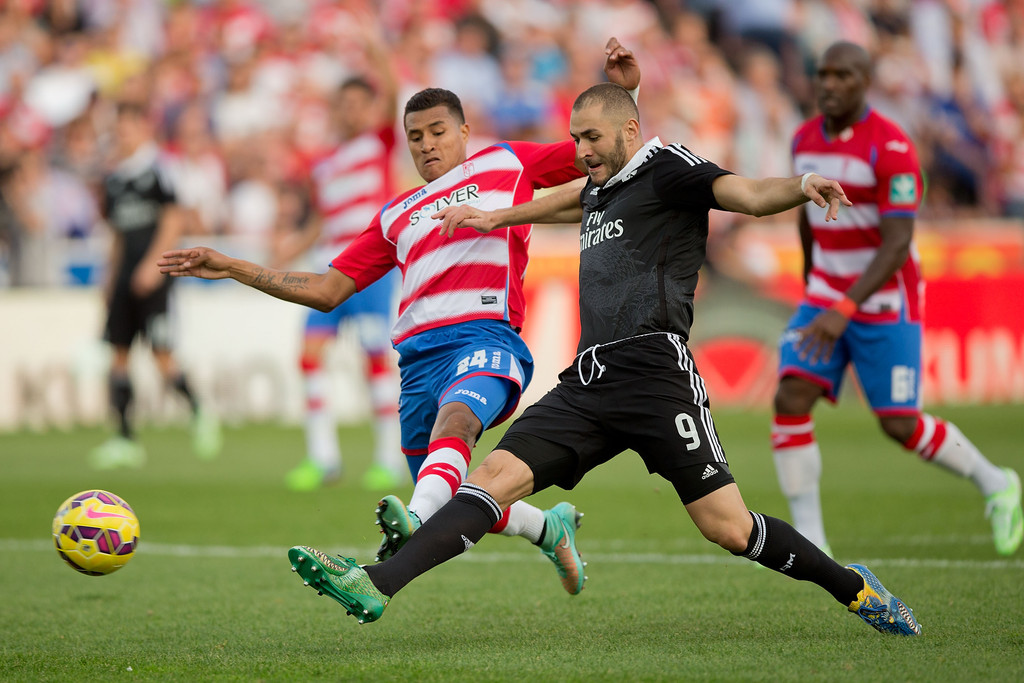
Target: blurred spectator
{"x":469,"y":66}
{"x":523,"y":103}
{"x":239,"y":88}
{"x":19,"y":52}
{"x":766,"y":118}
{"x":138,"y":25}
{"x":627,"y":20}
{"x":252,"y":201}
{"x":61,"y":89}
{"x":956,"y":135}
{"x":773,"y":24}
{"x":46,"y":209}
{"x":200,"y":176}
{"x":234,"y":27}
{"x":240,"y":115}
{"x":1009,"y":139}
{"x":900,"y":82}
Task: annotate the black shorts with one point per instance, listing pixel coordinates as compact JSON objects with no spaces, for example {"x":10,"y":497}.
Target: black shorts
{"x":129,"y":315}
{"x":643,"y":393}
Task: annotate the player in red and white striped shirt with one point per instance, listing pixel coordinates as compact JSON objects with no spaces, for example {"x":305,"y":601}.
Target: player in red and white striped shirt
{"x":863,"y":305}
{"x":462,"y":362}
{"x":348,"y":186}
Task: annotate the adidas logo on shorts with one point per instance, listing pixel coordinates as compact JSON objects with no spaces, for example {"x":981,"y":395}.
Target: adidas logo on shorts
{"x":709,"y":471}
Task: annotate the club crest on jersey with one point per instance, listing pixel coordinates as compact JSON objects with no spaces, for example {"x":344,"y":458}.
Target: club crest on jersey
{"x":903,"y":189}
{"x":468,"y":170}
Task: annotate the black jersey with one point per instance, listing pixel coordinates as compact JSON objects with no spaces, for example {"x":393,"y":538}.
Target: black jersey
{"x":134,"y":197}
{"x":642,"y":242}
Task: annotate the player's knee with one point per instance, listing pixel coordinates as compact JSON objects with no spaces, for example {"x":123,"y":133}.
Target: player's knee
{"x":731,"y":537}
{"x":729,"y":534}
{"x":504,"y":476}
{"x":795,"y":396}
{"x":899,"y":429}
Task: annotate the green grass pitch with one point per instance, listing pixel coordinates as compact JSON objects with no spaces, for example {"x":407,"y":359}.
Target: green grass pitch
{"x":209,"y":595}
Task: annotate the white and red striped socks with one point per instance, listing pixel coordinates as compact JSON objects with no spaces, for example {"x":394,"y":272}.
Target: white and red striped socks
{"x":321,"y":430}
{"x":384,"y":391}
{"x":440,"y":475}
{"x":798,"y":467}
{"x":942,"y":443}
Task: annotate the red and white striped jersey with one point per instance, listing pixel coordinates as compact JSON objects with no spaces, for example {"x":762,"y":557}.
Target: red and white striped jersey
{"x":876,"y":164}
{"x":469,"y":276}
{"x":349,"y":187}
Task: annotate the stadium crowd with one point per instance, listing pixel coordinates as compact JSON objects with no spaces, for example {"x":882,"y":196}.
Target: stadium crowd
{"x":239,"y":90}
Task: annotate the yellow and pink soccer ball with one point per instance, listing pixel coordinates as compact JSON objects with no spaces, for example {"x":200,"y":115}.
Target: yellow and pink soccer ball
{"x":96,"y":532}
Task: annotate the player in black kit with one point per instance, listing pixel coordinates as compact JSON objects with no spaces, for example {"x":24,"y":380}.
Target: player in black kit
{"x":139,"y":205}
{"x":633,"y":384}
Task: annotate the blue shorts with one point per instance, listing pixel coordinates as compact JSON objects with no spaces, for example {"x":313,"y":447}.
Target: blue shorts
{"x":886,"y":357}
{"x":451,"y":363}
{"x":371,"y":310}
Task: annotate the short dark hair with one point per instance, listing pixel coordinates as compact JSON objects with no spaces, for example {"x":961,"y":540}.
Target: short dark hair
{"x":357,"y":82}
{"x":613,"y":98}
{"x":436,"y":97}
{"x":853,"y":54}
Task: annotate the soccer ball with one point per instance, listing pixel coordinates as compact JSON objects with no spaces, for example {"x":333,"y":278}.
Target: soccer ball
{"x":95,"y":532}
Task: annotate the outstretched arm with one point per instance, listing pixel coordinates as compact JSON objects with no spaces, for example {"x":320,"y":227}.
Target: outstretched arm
{"x":774,"y":195}
{"x":322,"y":291}
{"x":561,"y":206}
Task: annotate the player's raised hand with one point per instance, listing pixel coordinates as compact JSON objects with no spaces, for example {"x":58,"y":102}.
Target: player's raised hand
{"x":620,"y":65}
{"x":464,"y":216}
{"x":826,"y":193}
{"x":200,"y":262}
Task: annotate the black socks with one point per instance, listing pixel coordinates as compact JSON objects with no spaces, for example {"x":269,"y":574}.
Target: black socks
{"x":451,"y":531}
{"x":777,"y":545}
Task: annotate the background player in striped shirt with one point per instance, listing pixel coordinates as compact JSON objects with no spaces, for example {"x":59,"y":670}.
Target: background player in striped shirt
{"x":863,"y":305}
{"x":348,"y":187}
{"x":462,"y":361}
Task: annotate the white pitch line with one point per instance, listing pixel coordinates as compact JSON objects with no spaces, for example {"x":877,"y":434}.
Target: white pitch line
{"x":278,"y":552}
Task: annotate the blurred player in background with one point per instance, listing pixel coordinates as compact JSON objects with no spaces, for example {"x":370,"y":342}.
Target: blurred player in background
{"x":863,"y":305}
{"x":462,"y":361}
{"x":348,"y":187}
{"x":139,"y":205}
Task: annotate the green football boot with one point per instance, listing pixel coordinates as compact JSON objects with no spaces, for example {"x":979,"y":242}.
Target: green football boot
{"x":397,"y":523}
{"x":381,"y":478}
{"x":307,"y":476}
{"x":559,"y":545}
{"x":207,"y":438}
{"x":1003,"y":510}
{"x":117,"y":452}
{"x":341,"y":579}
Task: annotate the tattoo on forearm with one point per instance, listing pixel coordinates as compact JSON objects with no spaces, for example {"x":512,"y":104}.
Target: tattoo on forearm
{"x":279,"y":282}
